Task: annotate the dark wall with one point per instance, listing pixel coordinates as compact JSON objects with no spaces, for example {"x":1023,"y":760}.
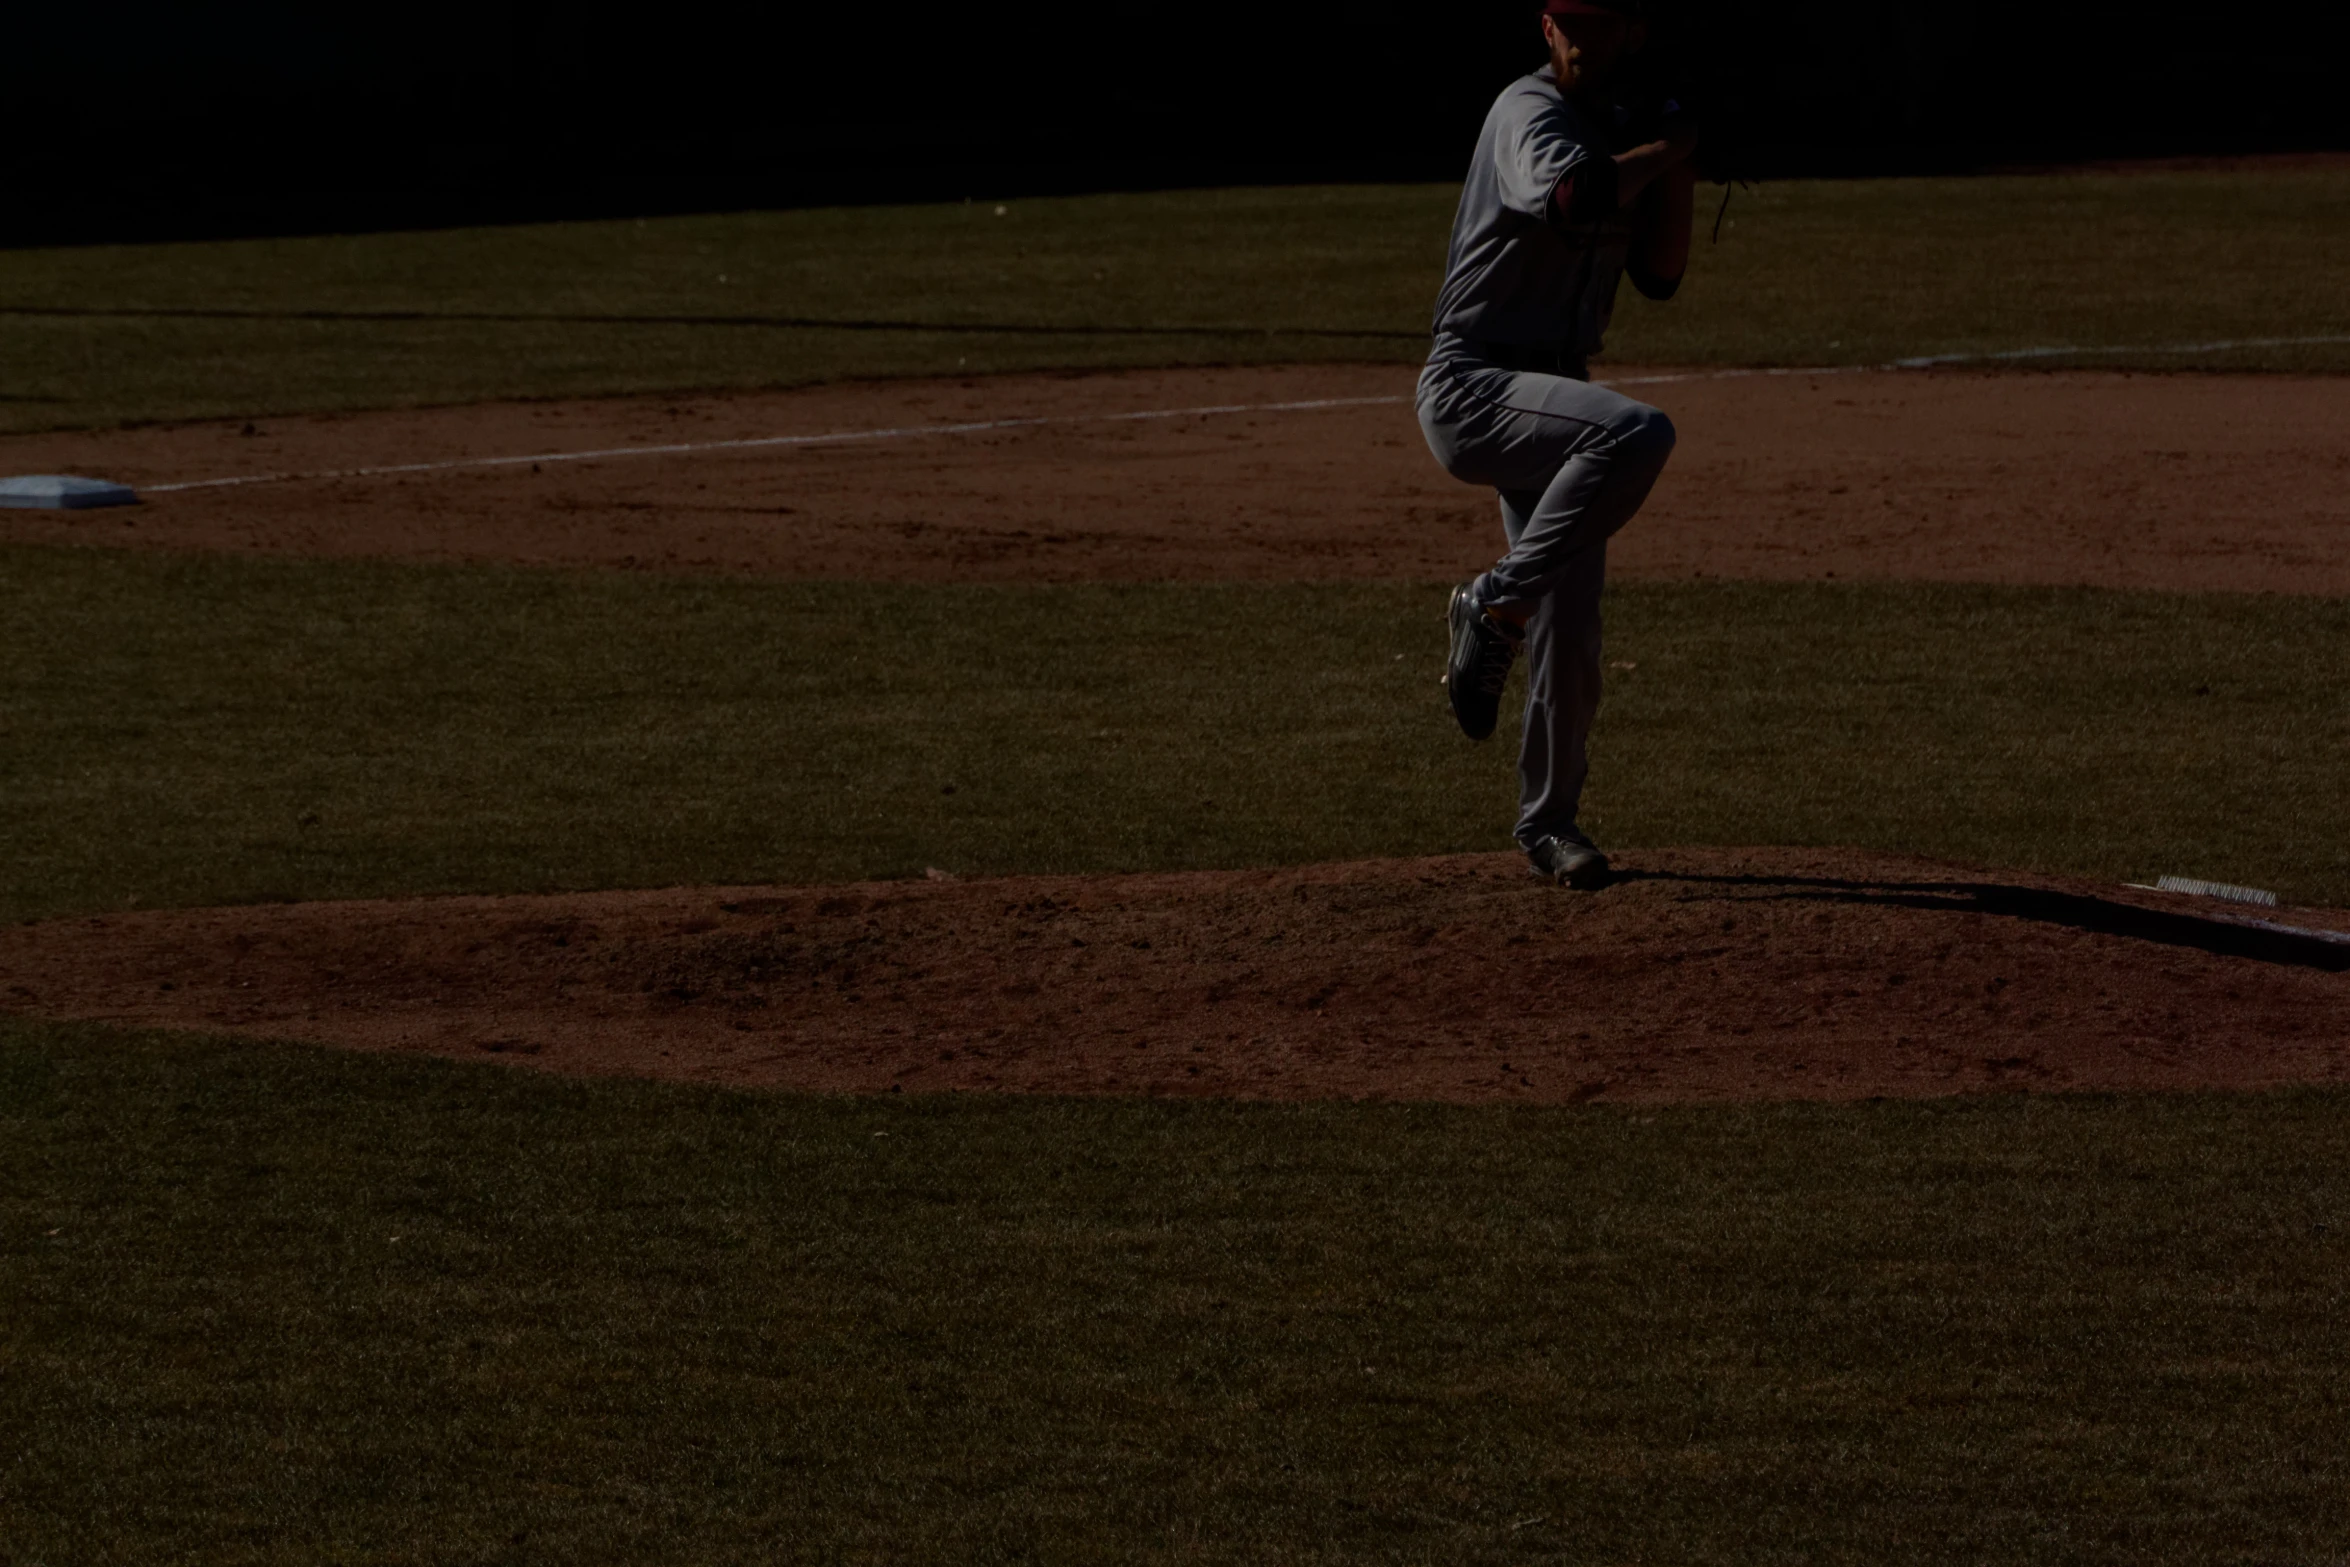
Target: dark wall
{"x":140,"y":119}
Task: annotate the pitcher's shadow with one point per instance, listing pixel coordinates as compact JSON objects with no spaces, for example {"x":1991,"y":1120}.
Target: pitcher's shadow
{"x":2068,"y":910}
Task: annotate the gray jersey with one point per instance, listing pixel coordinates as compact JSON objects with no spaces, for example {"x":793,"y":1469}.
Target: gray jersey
{"x":1514,"y":273}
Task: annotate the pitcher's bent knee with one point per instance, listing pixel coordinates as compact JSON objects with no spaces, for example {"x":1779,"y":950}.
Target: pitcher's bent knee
{"x":1646,"y":435}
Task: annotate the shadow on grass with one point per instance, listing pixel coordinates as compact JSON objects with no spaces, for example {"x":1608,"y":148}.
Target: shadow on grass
{"x":2262,"y":941}
{"x":787,"y":323}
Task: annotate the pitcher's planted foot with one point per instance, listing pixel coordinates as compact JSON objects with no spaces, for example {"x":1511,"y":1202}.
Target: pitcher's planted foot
{"x":1570,"y":859}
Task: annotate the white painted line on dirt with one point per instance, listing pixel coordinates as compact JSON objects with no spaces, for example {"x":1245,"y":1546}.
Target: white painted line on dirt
{"x":1928,"y":361}
{"x":842,"y":437}
{"x":2003,"y":356}
{"x":897,"y":433}
{"x":980,"y":426}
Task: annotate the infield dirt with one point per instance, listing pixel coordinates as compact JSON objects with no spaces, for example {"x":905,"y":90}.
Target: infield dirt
{"x":2192,"y":483}
{"x":1702,"y":975}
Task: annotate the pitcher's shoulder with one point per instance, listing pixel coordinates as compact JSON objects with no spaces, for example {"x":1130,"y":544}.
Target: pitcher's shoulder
{"x":1532,"y":92}
{"x":1534,"y":103}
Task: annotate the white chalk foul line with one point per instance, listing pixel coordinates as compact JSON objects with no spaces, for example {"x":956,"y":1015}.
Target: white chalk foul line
{"x":980,"y":426}
{"x":834,"y":438}
{"x":894,"y":433}
{"x":1927,"y":361}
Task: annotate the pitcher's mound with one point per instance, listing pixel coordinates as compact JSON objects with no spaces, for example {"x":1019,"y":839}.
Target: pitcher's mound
{"x":1702,"y":974}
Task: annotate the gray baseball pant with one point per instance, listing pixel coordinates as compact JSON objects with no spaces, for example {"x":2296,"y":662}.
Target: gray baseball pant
{"x":1572,"y":463}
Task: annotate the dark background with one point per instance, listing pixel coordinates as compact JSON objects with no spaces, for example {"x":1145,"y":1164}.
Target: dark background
{"x":137,"y":119}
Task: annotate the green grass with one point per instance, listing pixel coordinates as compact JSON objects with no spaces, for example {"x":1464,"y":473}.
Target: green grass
{"x":187,"y":729}
{"x":260,"y":1304}
{"x":1806,"y":273}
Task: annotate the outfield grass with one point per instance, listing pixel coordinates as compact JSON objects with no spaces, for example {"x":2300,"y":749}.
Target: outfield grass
{"x":265,"y":1305}
{"x":187,"y":729}
{"x":1807,"y":272}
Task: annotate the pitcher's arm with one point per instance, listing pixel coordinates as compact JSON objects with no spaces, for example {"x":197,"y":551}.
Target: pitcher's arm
{"x":1660,"y":251}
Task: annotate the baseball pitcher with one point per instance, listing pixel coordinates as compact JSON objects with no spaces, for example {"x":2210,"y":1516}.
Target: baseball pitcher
{"x":1551,"y":217}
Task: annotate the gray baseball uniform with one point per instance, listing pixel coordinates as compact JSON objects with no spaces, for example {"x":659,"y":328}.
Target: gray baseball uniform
{"x":1529,"y":285}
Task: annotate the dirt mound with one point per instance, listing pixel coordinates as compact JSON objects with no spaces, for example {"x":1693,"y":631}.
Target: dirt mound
{"x":2181,"y":482}
{"x":1702,"y":975}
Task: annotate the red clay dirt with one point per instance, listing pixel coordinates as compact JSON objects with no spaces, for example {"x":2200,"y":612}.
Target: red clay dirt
{"x":2237,"y":483}
{"x":1713,"y":975}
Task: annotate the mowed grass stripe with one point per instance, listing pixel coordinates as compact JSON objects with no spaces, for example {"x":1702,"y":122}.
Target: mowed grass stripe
{"x":1806,"y":272}
{"x":273,"y":1305}
{"x":186,"y":729}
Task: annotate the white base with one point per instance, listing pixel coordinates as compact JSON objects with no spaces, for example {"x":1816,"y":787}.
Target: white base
{"x":63,"y":492}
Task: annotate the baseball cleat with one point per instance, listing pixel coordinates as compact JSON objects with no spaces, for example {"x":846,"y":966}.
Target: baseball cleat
{"x":1570,"y":859}
{"x":1479,"y":664}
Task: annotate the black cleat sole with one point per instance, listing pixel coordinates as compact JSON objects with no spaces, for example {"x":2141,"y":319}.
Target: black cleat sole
{"x":1476,"y":665}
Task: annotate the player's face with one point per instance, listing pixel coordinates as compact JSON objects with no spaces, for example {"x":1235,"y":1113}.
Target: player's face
{"x":1586,"y":50}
